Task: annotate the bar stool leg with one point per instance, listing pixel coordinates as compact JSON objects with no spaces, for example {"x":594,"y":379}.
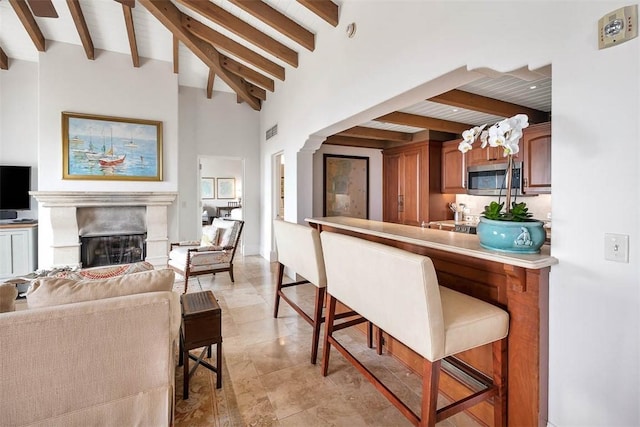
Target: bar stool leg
{"x":430,"y":379}
{"x":278,"y":289}
{"x":185,"y":371}
{"x":328,"y":332}
{"x":317,"y":321}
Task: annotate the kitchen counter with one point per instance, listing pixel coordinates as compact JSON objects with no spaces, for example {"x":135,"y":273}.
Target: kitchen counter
{"x":458,"y":243}
{"x":517,"y":283}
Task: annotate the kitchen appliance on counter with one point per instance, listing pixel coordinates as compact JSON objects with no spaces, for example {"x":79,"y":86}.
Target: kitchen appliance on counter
{"x":489,"y":180}
{"x":455,"y":226}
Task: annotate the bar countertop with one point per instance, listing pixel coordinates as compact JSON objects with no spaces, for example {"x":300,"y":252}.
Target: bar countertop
{"x":459,"y":243}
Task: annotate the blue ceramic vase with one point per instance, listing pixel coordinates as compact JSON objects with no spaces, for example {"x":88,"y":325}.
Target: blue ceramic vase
{"x":510,"y":236}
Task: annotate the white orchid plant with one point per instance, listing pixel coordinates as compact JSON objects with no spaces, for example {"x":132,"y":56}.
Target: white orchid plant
{"x":506,"y":134}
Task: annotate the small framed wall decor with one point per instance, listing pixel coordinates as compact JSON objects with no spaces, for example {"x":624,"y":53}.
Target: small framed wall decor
{"x":226,"y":188}
{"x":111,"y":148}
{"x":207,"y":188}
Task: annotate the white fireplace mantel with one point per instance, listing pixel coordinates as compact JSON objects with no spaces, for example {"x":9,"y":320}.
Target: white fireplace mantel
{"x":58,"y":240}
{"x":85,"y":198}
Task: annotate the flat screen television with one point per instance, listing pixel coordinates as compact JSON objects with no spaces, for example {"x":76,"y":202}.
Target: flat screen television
{"x":15,"y":183}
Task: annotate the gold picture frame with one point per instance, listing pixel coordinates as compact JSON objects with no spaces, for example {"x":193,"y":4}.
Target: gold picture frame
{"x":111,"y":148}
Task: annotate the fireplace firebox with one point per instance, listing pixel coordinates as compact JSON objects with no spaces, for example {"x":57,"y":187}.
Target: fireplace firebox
{"x":97,"y":251}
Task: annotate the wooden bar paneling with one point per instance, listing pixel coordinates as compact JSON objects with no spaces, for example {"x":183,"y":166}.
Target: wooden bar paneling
{"x":524,"y":294}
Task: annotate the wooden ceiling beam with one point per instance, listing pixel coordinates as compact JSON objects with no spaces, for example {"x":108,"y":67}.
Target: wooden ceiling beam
{"x":325,"y":9}
{"x":43,"y":8}
{"x":176,"y":55}
{"x":29,"y":23}
{"x":4,"y":61}
{"x":131,"y":34}
{"x":210,"y":80}
{"x":372,"y":133}
{"x":471,"y":101}
{"x":220,"y":41}
{"x":348,"y":141}
{"x":130,"y":3}
{"x":248,"y":73}
{"x":240,"y":28}
{"x":414,"y":120}
{"x":171,"y":17}
{"x":278,"y":21}
{"x":81,"y":27}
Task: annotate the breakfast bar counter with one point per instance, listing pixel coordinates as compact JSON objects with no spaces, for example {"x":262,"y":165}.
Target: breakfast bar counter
{"x":517,"y":283}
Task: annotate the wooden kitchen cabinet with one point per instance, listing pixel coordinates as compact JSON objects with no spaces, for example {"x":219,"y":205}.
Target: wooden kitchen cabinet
{"x":411,"y":184}
{"x":453,"y":168}
{"x":535,"y":149}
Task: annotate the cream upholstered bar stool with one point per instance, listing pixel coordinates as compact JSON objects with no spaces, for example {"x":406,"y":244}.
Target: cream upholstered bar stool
{"x":398,"y":292}
{"x":299,"y":249}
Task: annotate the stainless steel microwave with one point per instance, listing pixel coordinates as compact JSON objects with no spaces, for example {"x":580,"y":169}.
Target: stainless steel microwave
{"x":489,"y":180}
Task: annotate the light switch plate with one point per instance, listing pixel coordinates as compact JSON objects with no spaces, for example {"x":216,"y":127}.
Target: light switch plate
{"x":618,"y":26}
{"x":616,"y":247}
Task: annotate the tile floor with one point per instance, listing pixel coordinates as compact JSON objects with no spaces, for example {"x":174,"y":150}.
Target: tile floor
{"x":267,"y":377}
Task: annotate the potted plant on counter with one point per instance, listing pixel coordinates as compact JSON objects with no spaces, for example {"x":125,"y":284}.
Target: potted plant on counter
{"x":506,"y":226}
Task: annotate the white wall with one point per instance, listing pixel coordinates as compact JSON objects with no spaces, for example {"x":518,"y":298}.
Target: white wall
{"x":407,"y":51}
{"x":218,"y":127}
{"x":19,"y":122}
{"x":375,"y":176}
{"x":107,"y":86}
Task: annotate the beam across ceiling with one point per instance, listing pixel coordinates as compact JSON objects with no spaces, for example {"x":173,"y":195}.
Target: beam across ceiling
{"x":131,"y":34}
{"x":43,"y":8}
{"x":423,"y":122}
{"x":380,"y":134}
{"x":234,"y":48}
{"x":81,"y":27}
{"x":471,"y":101}
{"x":278,"y":21}
{"x":325,"y":9}
{"x":349,"y":141}
{"x":4,"y":61}
{"x":29,"y":23}
{"x":171,"y":17}
{"x":240,"y":28}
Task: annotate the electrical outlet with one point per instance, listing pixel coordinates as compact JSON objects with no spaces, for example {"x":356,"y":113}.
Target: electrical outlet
{"x":616,"y":247}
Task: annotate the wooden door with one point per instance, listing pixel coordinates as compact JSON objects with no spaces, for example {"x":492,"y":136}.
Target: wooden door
{"x":536,"y":156}
{"x":411,"y":186}
{"x":391,"y":208}
{"x":453,"y":169}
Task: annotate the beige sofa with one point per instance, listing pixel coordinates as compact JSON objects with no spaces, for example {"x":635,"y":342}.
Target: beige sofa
{"x":88,"y":361}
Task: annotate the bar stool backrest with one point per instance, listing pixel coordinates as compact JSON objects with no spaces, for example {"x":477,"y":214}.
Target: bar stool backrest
{"x":394,"y":289}
{"x":299,"y":249}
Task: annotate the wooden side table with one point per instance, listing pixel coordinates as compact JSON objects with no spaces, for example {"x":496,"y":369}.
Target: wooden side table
{"x":201,"y":327}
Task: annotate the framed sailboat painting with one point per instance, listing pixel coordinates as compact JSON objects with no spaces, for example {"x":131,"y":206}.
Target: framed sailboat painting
{"x":111,"y":148}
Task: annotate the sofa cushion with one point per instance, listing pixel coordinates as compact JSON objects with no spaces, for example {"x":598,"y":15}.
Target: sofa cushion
{"x":105,"y":272}
{"x":57,"y":290}
{"x":8,"y":294}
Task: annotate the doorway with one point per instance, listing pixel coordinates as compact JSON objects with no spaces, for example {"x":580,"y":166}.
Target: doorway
{"x":221,"y":188}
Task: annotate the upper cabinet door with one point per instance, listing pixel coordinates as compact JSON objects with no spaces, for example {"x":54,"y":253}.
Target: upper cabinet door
{"x":536,"y":156}
{"x":453,"y":169}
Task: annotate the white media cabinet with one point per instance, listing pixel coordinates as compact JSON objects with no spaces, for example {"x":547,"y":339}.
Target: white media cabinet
{"x":18,"y":249}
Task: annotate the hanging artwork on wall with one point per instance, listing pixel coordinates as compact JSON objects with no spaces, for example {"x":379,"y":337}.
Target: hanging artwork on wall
{"x":111,"y":148}
{"x":226,"y":188}
{"x":346,"y":186}
{"x":207,"y":188}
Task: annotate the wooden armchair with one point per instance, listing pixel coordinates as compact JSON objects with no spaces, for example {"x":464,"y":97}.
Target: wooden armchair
{"x":214,"y":253}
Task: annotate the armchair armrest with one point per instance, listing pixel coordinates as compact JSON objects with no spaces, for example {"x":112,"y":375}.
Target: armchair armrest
{"x":185,"y":243}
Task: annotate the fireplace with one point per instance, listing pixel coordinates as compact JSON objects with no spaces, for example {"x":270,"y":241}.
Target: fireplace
{"x":108,"y":250}
{"x":67,"y":219}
